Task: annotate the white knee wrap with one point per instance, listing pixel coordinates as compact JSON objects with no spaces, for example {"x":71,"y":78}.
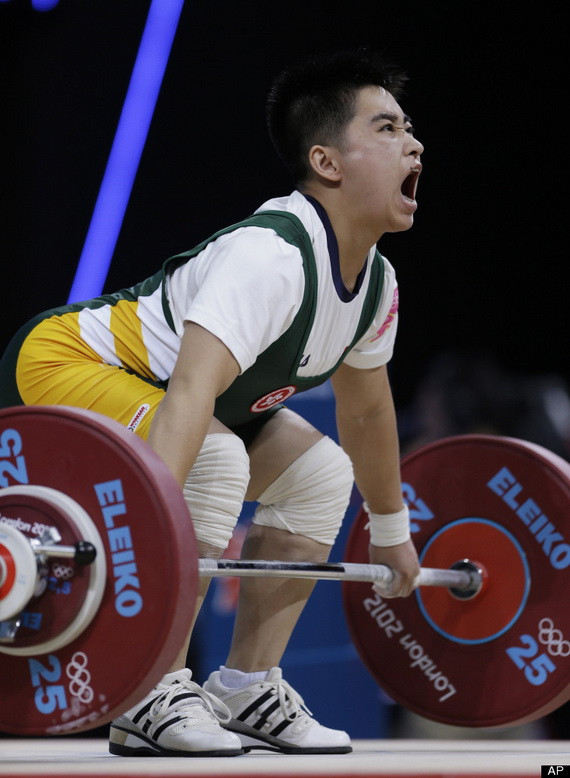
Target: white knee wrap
{"x":215,"y":488}
{"x":310,"y":498}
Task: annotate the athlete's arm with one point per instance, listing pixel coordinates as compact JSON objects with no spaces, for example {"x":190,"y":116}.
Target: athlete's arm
{"x":366,"y":423}
{"x":204,"y":369}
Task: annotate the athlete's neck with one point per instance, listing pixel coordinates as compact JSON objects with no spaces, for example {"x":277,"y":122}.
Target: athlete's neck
{"x":354,"y":238}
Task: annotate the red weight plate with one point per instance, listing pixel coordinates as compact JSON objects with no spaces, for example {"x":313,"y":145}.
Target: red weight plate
{"x":502,"y":658}
{"x":141,"y":516}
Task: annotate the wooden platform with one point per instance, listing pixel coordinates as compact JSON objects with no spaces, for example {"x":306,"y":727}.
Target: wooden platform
{"x":89,"y":758}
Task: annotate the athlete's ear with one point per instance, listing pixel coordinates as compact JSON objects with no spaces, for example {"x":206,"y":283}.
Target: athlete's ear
{"x":324,"y":162}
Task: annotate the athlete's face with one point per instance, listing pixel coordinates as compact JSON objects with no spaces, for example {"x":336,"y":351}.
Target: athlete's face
{"x":380,"y":162}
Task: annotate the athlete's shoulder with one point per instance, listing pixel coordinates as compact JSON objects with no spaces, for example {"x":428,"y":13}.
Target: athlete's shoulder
{"x":297,"y":206}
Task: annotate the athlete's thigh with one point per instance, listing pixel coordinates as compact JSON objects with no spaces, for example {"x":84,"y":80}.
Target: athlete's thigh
{"x":104,"y":389}
{"x":280,"y":442}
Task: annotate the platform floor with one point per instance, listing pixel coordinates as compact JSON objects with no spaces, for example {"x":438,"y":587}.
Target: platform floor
{"x":56,"y":758}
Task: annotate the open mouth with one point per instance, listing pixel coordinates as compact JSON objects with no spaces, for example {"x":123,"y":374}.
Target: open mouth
{"x":410,"y":185}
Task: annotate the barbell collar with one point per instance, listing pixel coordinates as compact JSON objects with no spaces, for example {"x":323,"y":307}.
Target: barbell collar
{"x":83,"y":552}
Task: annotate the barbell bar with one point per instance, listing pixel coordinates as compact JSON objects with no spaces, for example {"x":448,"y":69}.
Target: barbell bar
{"x":466,"y":578}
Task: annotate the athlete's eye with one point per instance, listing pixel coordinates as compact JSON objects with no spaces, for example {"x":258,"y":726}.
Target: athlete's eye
{"x":391,"y":127}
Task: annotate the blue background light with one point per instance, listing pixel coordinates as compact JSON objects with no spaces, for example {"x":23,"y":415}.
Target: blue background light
{"x":44,"y":5}
{"x":40,"y":5}
{"x":128,"y":145}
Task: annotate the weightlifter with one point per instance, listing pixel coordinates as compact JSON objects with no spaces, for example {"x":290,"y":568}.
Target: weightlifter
{"x":198,"y":359}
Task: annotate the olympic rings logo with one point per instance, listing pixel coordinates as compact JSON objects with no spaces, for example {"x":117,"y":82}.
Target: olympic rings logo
{"x":62,"y":571}
{"x":80,"y":678}
{"x":552,"y":638}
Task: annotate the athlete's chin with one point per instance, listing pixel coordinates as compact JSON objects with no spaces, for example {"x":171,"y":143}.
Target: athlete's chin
{"x":401,"y":224}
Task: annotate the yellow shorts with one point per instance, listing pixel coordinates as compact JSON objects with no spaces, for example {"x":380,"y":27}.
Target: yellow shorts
{"x":56,"y":367}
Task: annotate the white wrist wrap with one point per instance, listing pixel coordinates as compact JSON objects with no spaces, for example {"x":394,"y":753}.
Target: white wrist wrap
{"x":388,"y":529}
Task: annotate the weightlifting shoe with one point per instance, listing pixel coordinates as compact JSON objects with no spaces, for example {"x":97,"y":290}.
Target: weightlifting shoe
{"x":269,"y":714}
{"x":177,"y":718}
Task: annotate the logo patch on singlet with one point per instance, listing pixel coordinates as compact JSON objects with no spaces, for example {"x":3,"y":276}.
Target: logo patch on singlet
{"x":274,"y":397}
{"x":137,"y":418}
{"x":390,"y":318}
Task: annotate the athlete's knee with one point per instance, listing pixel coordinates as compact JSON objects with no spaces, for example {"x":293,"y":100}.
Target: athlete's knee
{"x":311,"y":496}
{"x":215,"y":488}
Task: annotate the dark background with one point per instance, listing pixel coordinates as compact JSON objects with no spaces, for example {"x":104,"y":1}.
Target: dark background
{"x":482,"y":270}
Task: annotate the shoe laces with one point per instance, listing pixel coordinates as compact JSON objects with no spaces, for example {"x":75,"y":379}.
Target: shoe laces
{"x":211,"y":705}
{"x":291,"y":703}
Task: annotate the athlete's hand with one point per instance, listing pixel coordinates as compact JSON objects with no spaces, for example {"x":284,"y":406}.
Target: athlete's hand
{"x":403,"y":560}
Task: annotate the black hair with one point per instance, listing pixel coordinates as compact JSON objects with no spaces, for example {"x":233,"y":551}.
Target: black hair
{"x":313,"y":101}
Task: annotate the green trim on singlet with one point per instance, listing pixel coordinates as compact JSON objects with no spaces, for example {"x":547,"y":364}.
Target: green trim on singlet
{"x":276,"y":367}
{"x":285,"y":224}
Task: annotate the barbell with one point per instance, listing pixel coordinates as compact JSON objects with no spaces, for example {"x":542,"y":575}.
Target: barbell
{"x":90,"y":520}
